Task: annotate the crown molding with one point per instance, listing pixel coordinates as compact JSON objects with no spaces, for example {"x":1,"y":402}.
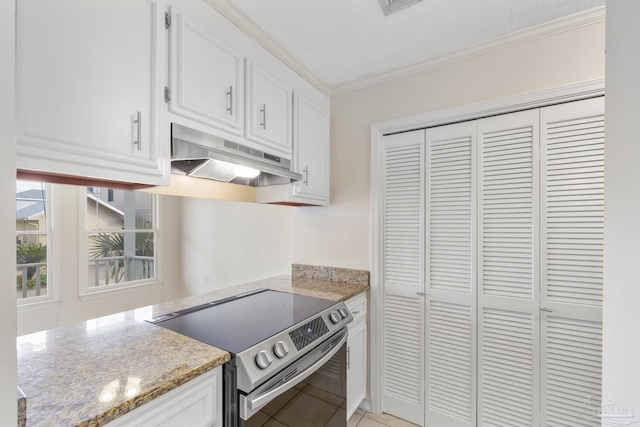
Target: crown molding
{"x":246,"y":24}
{"x":568,"y":23}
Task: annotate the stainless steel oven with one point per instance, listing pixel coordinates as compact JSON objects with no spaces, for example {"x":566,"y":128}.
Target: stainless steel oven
{"x":288,"y":356}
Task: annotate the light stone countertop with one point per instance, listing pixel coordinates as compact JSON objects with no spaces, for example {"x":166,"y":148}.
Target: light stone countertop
{"x":90,"y":373}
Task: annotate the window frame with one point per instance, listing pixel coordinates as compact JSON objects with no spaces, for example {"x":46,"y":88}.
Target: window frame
{"x":52,"y":290}
{"x":87,"y":292}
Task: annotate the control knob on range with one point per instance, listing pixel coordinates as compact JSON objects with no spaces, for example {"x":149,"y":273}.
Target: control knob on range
{"x":263,"y":360}
{"x":335,"y":317}
{"x":343,"y":312}
{"x":280,"y":349}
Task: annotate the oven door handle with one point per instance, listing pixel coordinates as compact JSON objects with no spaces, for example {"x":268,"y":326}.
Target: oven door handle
{"x":257,"y":402}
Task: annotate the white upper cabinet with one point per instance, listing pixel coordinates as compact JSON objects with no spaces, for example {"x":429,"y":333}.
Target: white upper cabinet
{"x":311,"y":151}
{"x":206,"y":74}
{"x":311,"y":148}
{"x":89,"y":78}
{"x":269,"y":111}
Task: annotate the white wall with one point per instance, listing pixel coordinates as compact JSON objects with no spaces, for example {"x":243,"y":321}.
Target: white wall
{"x":8,"y":372}
{"x":339,"y":234}
{"x":204,"y":245}
{"x":621,"y":342}
{"x":71,"y":308}
{"x":229,"y":243}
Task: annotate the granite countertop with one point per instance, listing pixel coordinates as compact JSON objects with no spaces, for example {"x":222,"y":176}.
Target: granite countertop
{"x":90,"y":373}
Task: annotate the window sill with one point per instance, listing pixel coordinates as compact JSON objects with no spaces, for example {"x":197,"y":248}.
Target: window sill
{"x":86,"y":295}
{"x":37,"y":305}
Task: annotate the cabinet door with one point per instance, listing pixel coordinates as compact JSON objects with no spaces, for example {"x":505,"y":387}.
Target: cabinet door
{"x":198,"y":403}
{"x":269,"y":112}
{"x":89,"y":76}
{"x":206,"y":76}
{"x":356,"y":366}
{"x":311,"y":159}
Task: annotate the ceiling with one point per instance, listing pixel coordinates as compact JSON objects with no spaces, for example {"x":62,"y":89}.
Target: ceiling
{"x":342,"y":42}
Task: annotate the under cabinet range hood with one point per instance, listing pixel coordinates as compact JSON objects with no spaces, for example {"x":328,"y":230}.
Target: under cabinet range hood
{"x":202,"y":155}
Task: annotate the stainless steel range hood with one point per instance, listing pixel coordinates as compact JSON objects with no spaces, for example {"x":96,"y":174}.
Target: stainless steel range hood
{"x":201,"y":155}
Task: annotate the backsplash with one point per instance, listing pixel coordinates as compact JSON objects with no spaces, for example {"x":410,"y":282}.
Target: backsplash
{"x":333,"y":274}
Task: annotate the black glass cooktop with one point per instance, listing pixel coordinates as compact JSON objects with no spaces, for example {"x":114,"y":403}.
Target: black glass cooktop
{"x":237,"y":323}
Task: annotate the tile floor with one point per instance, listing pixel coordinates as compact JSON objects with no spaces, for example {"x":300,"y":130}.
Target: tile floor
{"x":306,"y":405}
{"x":367,"y":419}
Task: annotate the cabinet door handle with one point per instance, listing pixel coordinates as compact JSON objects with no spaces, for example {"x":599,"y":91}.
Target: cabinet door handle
{"x":348,"y":358}
{"x":356,"y":312}
{"x":546,"y":310}
{"x":263,"y":111}
{"x":305,"y":180}
{"x":138,"y":123}
{"x":230,"y":95}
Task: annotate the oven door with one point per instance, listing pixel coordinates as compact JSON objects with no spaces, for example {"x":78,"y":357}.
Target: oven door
{"x":310,"y":392}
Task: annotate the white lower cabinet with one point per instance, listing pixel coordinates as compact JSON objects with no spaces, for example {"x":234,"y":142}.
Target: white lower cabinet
{"x":197,"y":403}
{"x":357,"y":354}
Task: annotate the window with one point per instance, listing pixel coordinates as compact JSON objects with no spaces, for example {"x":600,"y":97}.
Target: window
{"x":33,"y":236}
{"x":121,"y":238}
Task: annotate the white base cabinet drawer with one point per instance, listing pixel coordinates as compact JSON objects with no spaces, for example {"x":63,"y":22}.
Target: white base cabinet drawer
{"x":197,"y":403}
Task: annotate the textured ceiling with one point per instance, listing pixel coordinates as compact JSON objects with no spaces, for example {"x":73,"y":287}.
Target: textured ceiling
{"x":342,"y":41}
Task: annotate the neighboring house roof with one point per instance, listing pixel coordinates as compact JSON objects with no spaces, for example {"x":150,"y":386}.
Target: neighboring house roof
{"x":30,"y":211}
{"x":106,"y":205}
{"x":37,"y":207}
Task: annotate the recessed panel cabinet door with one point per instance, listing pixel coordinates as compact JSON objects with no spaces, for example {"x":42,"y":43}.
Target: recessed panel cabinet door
{"x":88,"y":81}
{"x":311,"y":149}
{"x":207,"y":76}
{"x":269,"y":112}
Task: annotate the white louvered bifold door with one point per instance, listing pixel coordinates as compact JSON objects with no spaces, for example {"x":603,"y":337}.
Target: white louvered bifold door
{"x":572,"y":208}
{"x":451,"y":276}
{"x":403,"y":282}
{"x":508,"y":332}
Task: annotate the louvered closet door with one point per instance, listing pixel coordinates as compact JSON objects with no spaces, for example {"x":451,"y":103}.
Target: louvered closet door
{"x":403,"y":222}
{"x":508,"y":332}
{"x":451,"y":276}
{"x":572,"y":196}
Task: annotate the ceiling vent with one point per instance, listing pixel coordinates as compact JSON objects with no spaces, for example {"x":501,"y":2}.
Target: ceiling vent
{"x":391,"y":6}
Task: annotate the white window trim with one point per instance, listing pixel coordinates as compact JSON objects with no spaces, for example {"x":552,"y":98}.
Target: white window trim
{"x":509,"y":104}
{"x":52,"y":297}
{"x":87,"y":292}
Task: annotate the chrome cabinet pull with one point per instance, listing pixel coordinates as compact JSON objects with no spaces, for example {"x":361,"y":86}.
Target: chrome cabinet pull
{"x":263,"y":110}
{"x":138,"y":122}
{"x":348,"y":357}
{"x":305,"y":180}
{"x":422,"y":294}
{"x":230,"y":95}
{"x":546,"y":310}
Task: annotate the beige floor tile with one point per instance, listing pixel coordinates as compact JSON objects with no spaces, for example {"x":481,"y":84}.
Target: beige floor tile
{"x":306,"y":410}
{"x":388,"y":420}
{"x":339,"y":419}
{"x":324,"y":395}
{"x":355,"y":419}
{"x":274,"y":423}
{"x":278,"y":403}
{"x":368,"y":422}
{"x":258,"y":420}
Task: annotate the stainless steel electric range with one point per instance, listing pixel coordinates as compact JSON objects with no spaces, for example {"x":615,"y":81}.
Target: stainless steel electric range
{"x":288,"y":356}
